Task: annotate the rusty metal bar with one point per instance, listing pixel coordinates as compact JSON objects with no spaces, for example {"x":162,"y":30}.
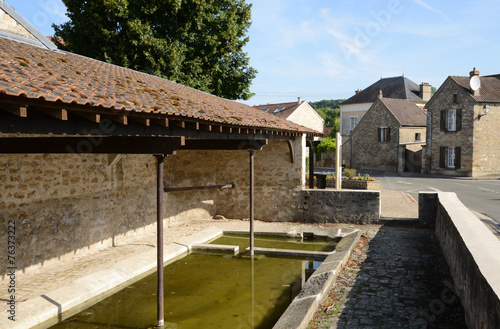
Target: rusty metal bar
{"x":311,"y":165}
{"x":195,"y":188}
{"x":159,"y":220}
{"x":252,"y":209}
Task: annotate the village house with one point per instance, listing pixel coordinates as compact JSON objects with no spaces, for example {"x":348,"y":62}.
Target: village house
{"x":354,"y":108}
{"x":389,"y":137}
{"x":299,"y":112}
{"x":462,"y":128}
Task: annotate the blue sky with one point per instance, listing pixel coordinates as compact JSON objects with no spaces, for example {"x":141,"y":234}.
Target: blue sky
{"x":325,"y":49}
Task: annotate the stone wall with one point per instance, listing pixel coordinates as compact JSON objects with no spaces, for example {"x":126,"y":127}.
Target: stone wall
{"x":344,"y":206}
{"x":9,"y":25}
{"x":367,"y":152}
{"x":486,"y":139}
{"x":473,"y":256}
{"x":75,"y":204}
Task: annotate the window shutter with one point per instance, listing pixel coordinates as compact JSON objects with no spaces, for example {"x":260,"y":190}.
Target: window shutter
{"x":388,"y":134}
{"x":348,"y":126}
{"x":443,"y":120}
{"x":442,"y":156}
{"x":459,"y":120}
{"x":458,"y":157}
{"x":379,"y":134}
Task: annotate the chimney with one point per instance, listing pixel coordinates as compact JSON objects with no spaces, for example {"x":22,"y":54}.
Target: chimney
{"x":425,"y":91}
{"x":299,"y":100}
{"x":380,"y":94}
{"x":474,"y":73}
{"x":358,"y":91}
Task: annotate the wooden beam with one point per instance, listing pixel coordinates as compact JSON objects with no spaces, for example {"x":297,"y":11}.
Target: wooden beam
{"x":20,"y":111}
{"x":94,"y":117}
{"x":164,"y":122}
{"x":143,"y":121}
{"x":60,"y":114}
{"x":91,"y":144}
{"x":224,"y":144}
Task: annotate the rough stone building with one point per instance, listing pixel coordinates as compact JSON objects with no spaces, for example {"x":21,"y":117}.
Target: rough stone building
{"x":353,"y":109}
{"x":81,"y":142}
{"x":389,"y":137}
{"x":462,"y":129}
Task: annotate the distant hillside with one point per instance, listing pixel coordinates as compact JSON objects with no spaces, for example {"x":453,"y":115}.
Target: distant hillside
{"x":329,"y":103}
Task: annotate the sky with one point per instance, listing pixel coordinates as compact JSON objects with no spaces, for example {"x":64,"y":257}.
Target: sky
{"x":327,"y":49}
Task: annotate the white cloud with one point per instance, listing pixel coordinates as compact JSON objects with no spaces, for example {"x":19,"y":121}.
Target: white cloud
{"x":425,"y":5}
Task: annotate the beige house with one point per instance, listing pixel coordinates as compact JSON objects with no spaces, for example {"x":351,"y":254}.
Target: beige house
{"x":353,"y":109}
{"x":299,"y":112}
{"x":389,"y":137}
{"x":462,"y":130}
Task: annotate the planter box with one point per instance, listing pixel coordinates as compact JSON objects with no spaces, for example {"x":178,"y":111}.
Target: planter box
{"x":361,"y":185}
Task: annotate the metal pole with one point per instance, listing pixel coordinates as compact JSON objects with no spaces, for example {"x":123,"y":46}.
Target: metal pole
{"x":159,"y":225}
{"x":252,"y":210}
{"x":311,"y":165}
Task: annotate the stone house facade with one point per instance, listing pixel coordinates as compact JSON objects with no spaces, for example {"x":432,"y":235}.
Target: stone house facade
{"x":354,"y":108}
{"x":462,"y":129}
{"x":389,"y":137}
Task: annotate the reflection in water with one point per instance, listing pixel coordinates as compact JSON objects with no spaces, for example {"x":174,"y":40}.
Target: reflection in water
{"x":204,"y":291}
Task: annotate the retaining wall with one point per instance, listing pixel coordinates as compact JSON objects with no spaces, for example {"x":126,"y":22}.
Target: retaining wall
{"x":473,"y":255}
{"x":340,"y":206}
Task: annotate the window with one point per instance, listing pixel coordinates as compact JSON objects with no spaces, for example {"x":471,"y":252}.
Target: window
{"x":278,"y":110}
{"x":417,"y":137}
{"x":450,"y":157}
{"x":384,"y":134}
{"x":452,"y":120}
{"x":455,"y":98}
{"x":351,"y":123}
{"x":450,"y":163}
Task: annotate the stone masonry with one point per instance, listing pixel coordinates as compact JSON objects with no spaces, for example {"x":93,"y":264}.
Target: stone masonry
{"x":478,"y":137}
{"x":8,"y":24}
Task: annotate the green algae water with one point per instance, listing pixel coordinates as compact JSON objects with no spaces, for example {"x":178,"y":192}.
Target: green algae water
{"x":207,"y":291}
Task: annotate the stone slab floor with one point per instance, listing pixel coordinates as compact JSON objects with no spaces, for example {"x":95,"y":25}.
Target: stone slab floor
{"x":395,"y":278}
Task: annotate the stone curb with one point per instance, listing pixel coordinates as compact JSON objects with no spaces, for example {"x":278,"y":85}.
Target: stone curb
{"x":301,"y":310}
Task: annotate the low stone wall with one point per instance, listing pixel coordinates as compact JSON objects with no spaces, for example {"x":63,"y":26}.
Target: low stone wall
{"x":339,"y":206}
{"x":473,"y":255}
{"x":361,"y":185}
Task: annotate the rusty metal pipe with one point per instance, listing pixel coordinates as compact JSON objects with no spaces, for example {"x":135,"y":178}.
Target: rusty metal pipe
{"x":252,"y":210}
{"x":159,"y":227}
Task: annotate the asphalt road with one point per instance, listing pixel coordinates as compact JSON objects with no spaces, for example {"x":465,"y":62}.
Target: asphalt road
{"x":482,"y":196}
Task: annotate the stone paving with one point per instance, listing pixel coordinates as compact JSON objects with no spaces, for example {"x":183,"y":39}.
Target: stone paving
{"x":396,"y":278}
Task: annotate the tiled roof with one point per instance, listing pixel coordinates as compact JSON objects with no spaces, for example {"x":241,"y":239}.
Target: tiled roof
{"x":396,"y":87}
{"x":38,"y":73}
{"x":281,"y":110}
{"x":489,"y":91}
{"x":405,"y":111}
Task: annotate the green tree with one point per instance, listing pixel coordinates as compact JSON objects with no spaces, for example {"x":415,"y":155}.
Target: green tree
{"x":325,"y":145}
{"x":198,"y":43}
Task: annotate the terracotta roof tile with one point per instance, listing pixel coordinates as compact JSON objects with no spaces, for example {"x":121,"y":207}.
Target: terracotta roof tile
{"x":39,"y":73}
{"x":286,"y":109}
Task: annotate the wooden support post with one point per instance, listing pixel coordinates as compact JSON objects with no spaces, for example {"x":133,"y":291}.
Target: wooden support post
{"x":311,"y":165}
{"x":159,"y":219}
{"x":252,"y":212}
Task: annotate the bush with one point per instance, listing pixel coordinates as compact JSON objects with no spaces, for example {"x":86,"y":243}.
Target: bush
{"x":350,"y":173}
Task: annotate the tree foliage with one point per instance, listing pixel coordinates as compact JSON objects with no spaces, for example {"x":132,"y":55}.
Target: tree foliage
{"x":329,"y":103}
{"x":198,"y":43}
{"x":327,"y":144}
